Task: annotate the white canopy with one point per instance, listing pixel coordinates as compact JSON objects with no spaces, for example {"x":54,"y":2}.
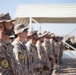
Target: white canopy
{"x":51,"y":13}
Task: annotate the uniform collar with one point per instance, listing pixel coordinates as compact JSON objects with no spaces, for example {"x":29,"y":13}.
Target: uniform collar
{"x":1,"y":42}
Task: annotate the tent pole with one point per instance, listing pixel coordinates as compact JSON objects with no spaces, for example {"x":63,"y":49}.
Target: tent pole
{"x":30,"y":23}
{"x":40,"y":28}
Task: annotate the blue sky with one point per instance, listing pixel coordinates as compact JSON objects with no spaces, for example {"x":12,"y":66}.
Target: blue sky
{"x":11,"y":5}
{"x":60,"y":29}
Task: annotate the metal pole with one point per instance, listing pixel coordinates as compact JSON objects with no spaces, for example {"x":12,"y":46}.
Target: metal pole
{"x":40,"y":28}
{"x":38,"y":24}
{"x":30,"y":23}
{"x":69,"y":45}
{"x":70,"y":32}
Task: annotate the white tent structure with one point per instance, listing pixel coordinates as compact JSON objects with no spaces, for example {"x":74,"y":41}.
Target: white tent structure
{"x":42,"y":13}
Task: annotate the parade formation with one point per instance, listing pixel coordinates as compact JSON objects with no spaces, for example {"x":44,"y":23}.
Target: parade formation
{"x":29,"y":52}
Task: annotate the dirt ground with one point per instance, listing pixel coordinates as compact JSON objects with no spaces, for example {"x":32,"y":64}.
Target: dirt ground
{"x":68,"y":67}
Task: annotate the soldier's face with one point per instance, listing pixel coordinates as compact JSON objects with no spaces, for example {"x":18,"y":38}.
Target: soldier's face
{"x":42,"y":39}
{"x":1,"y":27}
{"x":35,"y":37}
{"x":23,"y":35}
{"x":8,"y":28}
{"x":9,"y":25}
{"x":45,"y":36}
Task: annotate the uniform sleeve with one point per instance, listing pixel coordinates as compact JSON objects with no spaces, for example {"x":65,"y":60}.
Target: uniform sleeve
{"x":29,"y":51}
{"x":30,"y":58}
{"x":14,"y":65}
{"x":15,"y":51}
{"x":0,"y":49}
{"x":39,"y":52}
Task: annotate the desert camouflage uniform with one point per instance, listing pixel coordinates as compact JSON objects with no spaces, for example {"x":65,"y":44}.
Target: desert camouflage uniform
{"x":20,"y":52}
{"x":49,"y":53}
{"x":62,"y":47}
{"x":57,"y":51}
{"x":8,"y":65}
{"x":34,"y":64}
{"x":52,"y":51}
{"x":43,"y":58}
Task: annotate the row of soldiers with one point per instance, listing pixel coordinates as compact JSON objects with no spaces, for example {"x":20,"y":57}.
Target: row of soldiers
{"x":29,"y":53}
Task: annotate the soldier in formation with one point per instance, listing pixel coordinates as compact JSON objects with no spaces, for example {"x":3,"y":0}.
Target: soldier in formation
{"x":20,"y":50}
{"x":8,"y":64}
{"x":36,"y":56}
{"x":33,"y":59}
{"x":43,"y":57}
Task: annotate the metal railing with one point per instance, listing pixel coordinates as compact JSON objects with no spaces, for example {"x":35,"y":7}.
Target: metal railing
{"x":67,"y":37}
{"x":69,"y":45}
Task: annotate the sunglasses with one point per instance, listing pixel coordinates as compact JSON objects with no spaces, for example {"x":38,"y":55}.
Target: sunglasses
{"x":25,"y":30}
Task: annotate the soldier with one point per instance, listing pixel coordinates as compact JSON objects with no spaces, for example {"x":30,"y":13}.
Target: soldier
{"x":47,"y":48}
{"x":57,"y":49}
{"x":34,"y":64}
{"x":62,"y":47}
{"x":52,"y":42}
{"x":8,"y":65}
{"x":20,"y":49}
{"x":51,"y":48}
{"x":42,"y":54}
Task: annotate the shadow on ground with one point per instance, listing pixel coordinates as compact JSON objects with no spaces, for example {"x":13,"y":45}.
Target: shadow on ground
{"x":68,"y":67}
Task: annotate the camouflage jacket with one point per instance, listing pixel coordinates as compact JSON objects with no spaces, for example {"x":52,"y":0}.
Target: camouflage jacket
{"x":8,"y":63}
